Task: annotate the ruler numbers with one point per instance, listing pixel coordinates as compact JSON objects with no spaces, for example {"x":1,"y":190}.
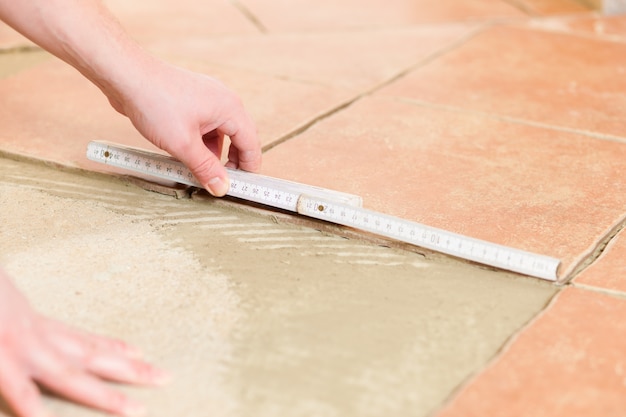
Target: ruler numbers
{"x":431,"y":238}
{"x":263,"y":195}
{"x":332,"y":206}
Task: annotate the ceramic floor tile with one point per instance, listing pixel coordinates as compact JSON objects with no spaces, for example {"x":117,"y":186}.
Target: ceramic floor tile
{"x":549,"y":78}
{"x":356,"y":60}
{"x":307,"y":15}
{"x":177,"y":19}
{"x":609,"y":270}
{"x":605,"y":27}
{"x":549,"y":192}
{"x":569,"y":363}
{"x":51,"y":112}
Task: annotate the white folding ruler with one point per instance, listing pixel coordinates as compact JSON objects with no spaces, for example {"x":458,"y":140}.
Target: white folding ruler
{"x":331,"y":206}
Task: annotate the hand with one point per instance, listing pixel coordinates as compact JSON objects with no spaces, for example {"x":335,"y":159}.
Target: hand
{"x":183,"y":113}
{"x":187,"y":114}
{"x":35,"y":349}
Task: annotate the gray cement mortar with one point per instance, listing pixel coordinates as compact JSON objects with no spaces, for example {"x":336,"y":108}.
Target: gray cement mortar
{"x":250,"y":315}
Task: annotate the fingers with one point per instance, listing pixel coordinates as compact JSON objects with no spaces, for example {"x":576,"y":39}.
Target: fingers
{"x":245,"y":151}
{"x":205,"y":166}
{"x":20,"y":393}
{"x":202,"y":157}
{"x":83,"y":388}
{"x":107,"y":358}
{"x":72,"y":342}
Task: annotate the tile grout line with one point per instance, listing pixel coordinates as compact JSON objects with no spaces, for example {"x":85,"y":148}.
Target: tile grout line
{"x":599,"y":290}
{"x":429,"y":58}
{"x":587,"y":260}
{"x":249,"y":15}
{"x":19,"y":49}
{"x":495,"y":116}
{"x":506,"y":345}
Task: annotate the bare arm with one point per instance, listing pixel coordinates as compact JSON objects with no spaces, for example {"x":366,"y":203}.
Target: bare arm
{"x":184,"y":113}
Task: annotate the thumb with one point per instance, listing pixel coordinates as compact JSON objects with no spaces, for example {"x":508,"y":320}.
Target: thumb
{"x":206,"y":167}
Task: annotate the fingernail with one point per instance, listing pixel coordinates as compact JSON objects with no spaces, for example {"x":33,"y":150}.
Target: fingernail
{"x":217,"y":186}
{"x":133,"y":409}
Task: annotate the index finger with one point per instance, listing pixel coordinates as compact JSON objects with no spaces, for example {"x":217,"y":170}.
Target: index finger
{"x":247,"y":154}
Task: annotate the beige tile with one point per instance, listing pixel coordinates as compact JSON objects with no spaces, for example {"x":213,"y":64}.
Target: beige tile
{"x":608,"y":271}
{"x":535,"y":189}
{"x":355,"y":60}
{"x":308,"y":15}
{"x":549,"y":78}
{"x":569,"y":363}
{"x":178,"y":19}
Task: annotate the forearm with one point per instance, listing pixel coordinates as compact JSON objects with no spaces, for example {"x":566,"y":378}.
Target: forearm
{"x":82,"y":33}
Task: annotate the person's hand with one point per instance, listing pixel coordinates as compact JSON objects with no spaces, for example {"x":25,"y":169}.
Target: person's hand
{"x":70,"y":363}
{"x":181,"y":112}
{"x":187,"y":114}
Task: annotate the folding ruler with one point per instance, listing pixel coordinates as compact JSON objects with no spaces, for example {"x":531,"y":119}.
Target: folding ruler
{"x":332,"y":206}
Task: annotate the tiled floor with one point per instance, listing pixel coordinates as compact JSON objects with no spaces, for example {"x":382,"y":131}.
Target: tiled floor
{"x":503,"y":120}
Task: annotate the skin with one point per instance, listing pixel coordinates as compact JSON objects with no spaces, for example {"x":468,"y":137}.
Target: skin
{"x":184,"y":113}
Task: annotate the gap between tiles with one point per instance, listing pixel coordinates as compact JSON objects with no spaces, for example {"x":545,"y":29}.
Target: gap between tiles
{"x":509,"y":119}
{"x":20,"y":49}
{"x":505,"y":346}
{"x":426,"y":60}
{"x":599,"y":290}
{"x":586,"y":260}
{"x":247,"y":13}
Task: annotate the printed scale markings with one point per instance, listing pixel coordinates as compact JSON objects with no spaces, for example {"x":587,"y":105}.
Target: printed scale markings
{"x":331,"y":206}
